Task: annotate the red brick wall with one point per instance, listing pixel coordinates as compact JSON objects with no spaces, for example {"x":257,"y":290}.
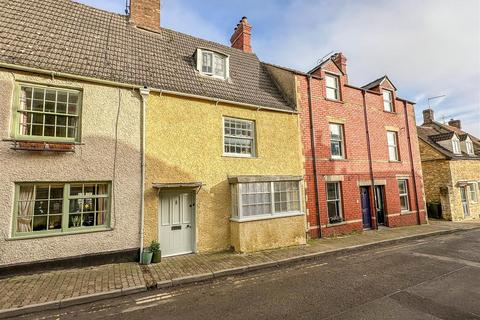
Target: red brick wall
{"x":145,"y":14}
{"x":355,"y":167}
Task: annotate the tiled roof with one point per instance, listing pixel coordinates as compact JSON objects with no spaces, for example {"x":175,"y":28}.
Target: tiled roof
{"x":434,"y":132}
{"x":68,"y":37}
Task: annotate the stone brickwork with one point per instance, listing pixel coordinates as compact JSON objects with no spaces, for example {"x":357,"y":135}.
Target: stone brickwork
{"x":443,"y":179}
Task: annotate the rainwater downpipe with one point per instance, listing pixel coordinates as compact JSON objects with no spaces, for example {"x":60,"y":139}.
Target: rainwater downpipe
{"x":370,"y":164}
{"x":411,"y":162}
{"x":144,"y":93}
{"x":314,"y":154}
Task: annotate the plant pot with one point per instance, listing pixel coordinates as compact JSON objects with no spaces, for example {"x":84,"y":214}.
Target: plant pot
{"x":157,"y":257}
{"x":147,"y":257}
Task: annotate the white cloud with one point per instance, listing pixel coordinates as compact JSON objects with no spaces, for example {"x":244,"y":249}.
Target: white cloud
{"x":427,"y":47}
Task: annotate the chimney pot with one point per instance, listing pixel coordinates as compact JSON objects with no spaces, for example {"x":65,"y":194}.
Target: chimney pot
{"x":241,"y":37}
{"x":145,"y":14}
{"x":455,"y":123}
{"x":428,"y":116}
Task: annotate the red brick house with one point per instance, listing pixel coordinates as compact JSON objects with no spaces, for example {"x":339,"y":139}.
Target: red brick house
{"x":362,"y":161}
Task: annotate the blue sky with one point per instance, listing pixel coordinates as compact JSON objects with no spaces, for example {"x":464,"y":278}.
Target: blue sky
{"x":427,"y":48}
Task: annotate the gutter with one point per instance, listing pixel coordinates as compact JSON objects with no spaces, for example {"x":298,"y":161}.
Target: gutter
{"x":54,"y":74}
{"x":144,"y":93}
{"x":370,"y":164}
{"x":410,"y":152}
{"x":314,"y":154}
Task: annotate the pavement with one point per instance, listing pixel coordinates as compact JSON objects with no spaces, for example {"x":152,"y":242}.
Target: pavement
{"x":63,"y":289}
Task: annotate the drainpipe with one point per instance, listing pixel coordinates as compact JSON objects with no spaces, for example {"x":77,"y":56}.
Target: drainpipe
{"x":314,"y":154}
{"x":410,"y":152}
{"x":144,"y":93}
{"x":370,"y":164}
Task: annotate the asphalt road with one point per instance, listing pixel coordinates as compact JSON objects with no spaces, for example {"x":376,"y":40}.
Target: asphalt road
{"x":432,"y":278}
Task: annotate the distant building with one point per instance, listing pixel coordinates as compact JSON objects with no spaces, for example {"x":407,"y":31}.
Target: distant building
{"x":451,"y":168}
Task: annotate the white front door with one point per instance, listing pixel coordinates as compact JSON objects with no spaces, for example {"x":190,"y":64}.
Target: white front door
{"x":176,"y":223}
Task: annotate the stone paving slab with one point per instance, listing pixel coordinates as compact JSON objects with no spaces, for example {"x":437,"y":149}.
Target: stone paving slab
{"x":61,"y":288}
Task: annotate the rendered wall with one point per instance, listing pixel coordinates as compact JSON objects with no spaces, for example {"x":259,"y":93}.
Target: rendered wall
{"x":268,"y":234}
{"x":184,"y":143}
{"x":92,"y":161}
{"x":464,"y":170}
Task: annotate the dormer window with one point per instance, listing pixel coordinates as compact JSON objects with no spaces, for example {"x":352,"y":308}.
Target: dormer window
{"x":388,"y":100}
{"x":456,"y":146}
{"x":212,"y":64}
{"x":469,"y":146}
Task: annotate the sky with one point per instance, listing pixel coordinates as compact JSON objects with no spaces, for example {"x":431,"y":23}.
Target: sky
{"x":427,"y":48}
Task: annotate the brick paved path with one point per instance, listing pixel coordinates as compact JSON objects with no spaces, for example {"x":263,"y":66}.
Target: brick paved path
{"x":69,"y":284}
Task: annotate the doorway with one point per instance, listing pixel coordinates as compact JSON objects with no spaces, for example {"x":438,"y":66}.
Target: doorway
{"x":176,"y":223}
{"x":366,"y":208}
{"x":380,"y":204}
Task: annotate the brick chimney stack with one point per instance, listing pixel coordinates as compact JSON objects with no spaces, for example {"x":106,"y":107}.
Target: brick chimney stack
{"x":242,"y":35}
{"x":455,"y":123}
{"x":341,"y":61}
{"x":145,"y":14}
{"x":428,"y":116}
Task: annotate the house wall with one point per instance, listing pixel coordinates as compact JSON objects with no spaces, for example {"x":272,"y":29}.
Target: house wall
{"x":264,"y":234}
{"x":93,"y":160}
{"x":184,"y":143}
{"x":355,"y":168}
{"x":461,"y":171}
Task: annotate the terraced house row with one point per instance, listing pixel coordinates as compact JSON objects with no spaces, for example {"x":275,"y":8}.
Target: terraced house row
{"x":116,"y":132}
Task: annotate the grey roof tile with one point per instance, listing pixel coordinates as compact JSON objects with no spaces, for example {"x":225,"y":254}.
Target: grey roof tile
{"x":65,"y":36}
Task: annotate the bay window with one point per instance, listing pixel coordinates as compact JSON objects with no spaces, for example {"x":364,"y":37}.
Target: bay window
{"x":43,"y":208}
{"x":254,"y":200}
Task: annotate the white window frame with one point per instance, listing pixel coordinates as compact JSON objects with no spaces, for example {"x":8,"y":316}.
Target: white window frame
{"x":405,"y":194}
{"x":473,"y":192}
{"x":253,"y":138}
{"x":237,"y":204}
{"x":456,"y":146}
{"x":388,"y":103}
{"x":214,"y":55}
{"x":394,"y":146}
{"x":469,"y":147}
{"x":336,"y":89}
{"x":338,"y":200}
{"x":341,"y":141}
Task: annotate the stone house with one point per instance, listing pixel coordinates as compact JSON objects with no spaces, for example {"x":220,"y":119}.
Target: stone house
{"x":362,"y":161}
{"x":451,"y":166}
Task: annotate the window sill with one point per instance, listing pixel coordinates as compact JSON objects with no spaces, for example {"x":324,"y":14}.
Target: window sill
{"x":239,"y":156}
{"x":57,"y":234}
{"x":333,"y":100}
{"x":390,"y":112}
{"x":394,"y":161}
{"x":43,"y":145}
{"x":329,"y":225}
{"x":407,"y":212}
{"x":338,"y":159}
{"x":267,"y":217}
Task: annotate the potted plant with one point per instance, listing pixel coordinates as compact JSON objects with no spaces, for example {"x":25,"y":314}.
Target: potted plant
{"x":147,"y":256}
{"x":157,"y":253}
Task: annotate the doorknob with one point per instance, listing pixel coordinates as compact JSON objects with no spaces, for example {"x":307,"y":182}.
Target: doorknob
{"x":189,"y":226}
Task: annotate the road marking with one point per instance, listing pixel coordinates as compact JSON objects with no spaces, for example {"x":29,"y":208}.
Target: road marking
{"x":444,"y":258}
{"x":316,"y":265}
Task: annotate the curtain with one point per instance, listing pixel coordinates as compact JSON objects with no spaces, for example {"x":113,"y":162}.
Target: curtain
{"x":25,"y":209}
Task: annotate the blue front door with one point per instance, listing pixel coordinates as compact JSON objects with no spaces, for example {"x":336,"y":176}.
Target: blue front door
{"x":366,"y":212}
